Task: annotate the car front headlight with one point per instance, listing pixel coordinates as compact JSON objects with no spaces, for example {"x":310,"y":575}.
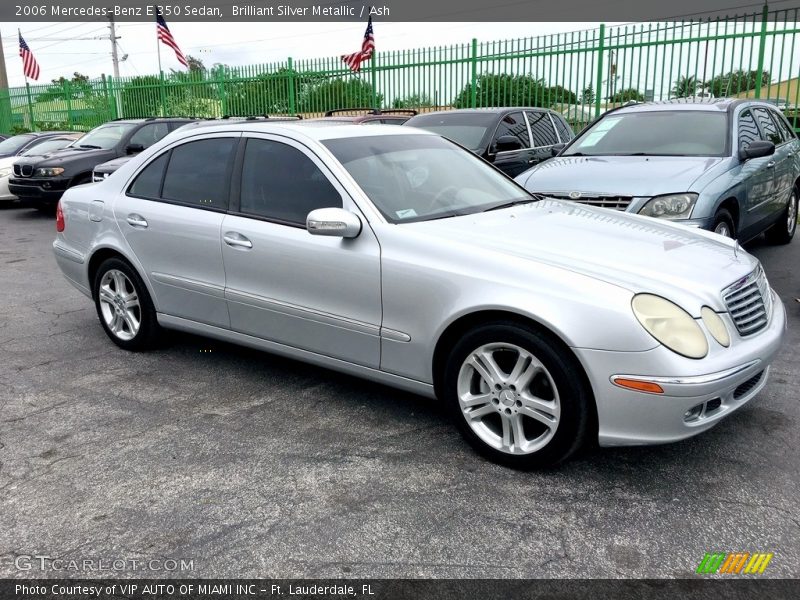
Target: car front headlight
{"x":5,"y":172}
{"x":671,"y":206}
{"x":48,"y":172}
{"x":716,"y":326}
{"x":670,"y":325}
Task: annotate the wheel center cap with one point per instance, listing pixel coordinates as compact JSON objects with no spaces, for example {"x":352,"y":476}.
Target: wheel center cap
{"x":507,"y":397}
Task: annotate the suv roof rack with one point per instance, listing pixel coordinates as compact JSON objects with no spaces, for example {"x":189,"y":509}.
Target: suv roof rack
{"x":260,"y":117}
{"x":372,"y":111}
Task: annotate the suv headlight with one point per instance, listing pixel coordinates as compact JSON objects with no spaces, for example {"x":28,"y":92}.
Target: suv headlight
{"x":671,"y":206}
{"x":670,"y":325}
{"x":6,"y":171}
{"x":48,"y":172}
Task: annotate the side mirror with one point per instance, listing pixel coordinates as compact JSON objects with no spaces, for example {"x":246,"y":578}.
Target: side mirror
{"x":335,"y":222}
{"x":556,"y":148}
{"x":757,"y":149}
{"x":133,"y":148}
{"x":507,"y":143}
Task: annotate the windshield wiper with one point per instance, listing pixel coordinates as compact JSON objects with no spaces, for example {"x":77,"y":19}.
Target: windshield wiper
{"x":512,"y":203}
{"x":91,"y":146}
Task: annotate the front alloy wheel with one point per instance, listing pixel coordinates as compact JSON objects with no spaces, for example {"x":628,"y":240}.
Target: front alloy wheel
{"x":783,"y":231}
{"x":518,"y":395}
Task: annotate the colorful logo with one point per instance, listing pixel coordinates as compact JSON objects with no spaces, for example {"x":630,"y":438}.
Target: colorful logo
{"x":734,"y":563}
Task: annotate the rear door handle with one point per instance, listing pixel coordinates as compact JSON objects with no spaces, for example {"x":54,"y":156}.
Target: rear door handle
{"x":135,"y":220}
{"x":237,"y":240}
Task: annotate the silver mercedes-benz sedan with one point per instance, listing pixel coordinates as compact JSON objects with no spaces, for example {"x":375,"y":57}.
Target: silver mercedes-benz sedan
{"x":395,"y":255}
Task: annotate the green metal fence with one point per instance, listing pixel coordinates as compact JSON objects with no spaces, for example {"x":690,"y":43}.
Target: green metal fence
{"x":580,"y":74}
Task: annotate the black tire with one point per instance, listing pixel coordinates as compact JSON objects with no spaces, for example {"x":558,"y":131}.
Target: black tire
{"x":724,"y":219}
{"x":782,"y":232}
{"x":46,"y":208}
{"x":147,"y":334}
{"x":574,"y":397}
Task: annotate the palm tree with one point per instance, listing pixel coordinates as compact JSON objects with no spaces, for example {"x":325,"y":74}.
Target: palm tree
{"x":685,"y":87}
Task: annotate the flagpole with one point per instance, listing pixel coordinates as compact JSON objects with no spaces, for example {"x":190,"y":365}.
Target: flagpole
{"x":162,"y":94}
{"x":27,"y":86}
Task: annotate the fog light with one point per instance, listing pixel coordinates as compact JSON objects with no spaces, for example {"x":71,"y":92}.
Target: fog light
{"x":693,"y":413}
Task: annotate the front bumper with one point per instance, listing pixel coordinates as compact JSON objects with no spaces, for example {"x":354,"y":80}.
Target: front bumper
{"x":5,"y":194}
{"x":697,"y":393}
{"x":43,"y":189}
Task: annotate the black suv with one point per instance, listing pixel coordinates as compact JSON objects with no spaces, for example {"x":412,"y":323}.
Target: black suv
{"x":43,"y":180}
{"x":513,"y":139}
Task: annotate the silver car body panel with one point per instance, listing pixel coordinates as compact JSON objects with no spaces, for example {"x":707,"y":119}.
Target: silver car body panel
{"x":376,"y":305}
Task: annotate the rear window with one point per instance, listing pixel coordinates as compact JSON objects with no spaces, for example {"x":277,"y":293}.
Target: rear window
{"x":467,"y":129}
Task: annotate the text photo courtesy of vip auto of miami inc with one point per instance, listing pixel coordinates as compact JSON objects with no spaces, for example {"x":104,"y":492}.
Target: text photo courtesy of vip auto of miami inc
{"x":405,"y":300}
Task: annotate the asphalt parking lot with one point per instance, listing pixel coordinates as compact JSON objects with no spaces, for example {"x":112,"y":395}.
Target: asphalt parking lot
{"x":251,"y":465}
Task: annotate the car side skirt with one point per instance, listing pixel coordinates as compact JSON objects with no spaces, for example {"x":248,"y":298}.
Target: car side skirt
{"x":396,"y":381}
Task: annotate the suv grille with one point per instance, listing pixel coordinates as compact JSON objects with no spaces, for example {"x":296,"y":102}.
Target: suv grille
{"x":23,"y":170}
{"x":615,"y":202}
{"x":749,"y":302}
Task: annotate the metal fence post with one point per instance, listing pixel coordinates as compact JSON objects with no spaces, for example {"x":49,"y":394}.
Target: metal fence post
{"x":762,"y":42}
{"x":30,"y":106}
{"x":374,"y":79}
{"x":600,"y":50}
{"x":290,"y":67}
{"x":162,"y":93}
{"x":473,"y":90}
{"x":68,"y":98}
{"x":223,"y":96}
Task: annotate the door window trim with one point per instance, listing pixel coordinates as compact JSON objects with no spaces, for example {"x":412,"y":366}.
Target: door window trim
{"x":553,"y":125}
{"x":493,"y":139}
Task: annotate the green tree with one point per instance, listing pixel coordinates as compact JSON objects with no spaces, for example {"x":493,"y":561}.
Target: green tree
{"x":141,"y":97}
{"x":735,"y":82}
{"x":558,"y":94}
{"x":329,"y":94}
{"x":504,"y":90}
{"x":685,"y":87}
{"x":267,"y":93}
{"x":587,"y":95}
{"x":78,"y":86}
{"x":413,"y":101}
{"x":627,"y":95}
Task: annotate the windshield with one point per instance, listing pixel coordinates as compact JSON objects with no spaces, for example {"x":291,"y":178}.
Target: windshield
{"x":105,"y":136}
{"x":662,"y":133}
{"x":13,"y":144}
{"x":46,"y":146}
{"x":422,"y":177}
{"x":467,"y":129}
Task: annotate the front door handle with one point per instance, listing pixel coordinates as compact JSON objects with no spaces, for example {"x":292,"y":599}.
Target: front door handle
{"x":138,"y":221}
{"x":770,"y":164}
{"x":237,"y":240}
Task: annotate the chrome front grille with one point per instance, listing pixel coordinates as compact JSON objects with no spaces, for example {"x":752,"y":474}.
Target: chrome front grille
{"x":749,"y":302}
{"x":615,"y":202}
{"x":23,"y":170}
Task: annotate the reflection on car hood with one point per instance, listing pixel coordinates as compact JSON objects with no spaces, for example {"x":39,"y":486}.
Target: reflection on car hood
{"x":642,"y":176}
{"x":65,"y":154}
{"x":637,"y":253}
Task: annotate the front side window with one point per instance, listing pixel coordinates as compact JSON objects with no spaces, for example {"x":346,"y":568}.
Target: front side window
{"x":198,"y":173}
{"x":655,"y":133}
{"x":513,"y":124}
{"x":748,"y":131}
{"x":422,"y":177}
{"x":542,"y":129}
{"x":149,"y":134}
{"x":769,"y":131}
{"x":279,"y":182}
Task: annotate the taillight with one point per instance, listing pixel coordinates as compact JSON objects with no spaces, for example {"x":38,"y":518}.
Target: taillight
{"x":59,"y":218}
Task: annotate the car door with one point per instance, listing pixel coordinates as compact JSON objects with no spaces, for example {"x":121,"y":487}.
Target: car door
{"x":512,"y":162}
{"x":757,"y":176}
{"x":784,"y":174}
{"x":282,"y":284}
{"x":543,"y":135}
{"x":171,"y":215}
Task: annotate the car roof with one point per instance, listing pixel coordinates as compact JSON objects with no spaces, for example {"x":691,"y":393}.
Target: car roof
{"x":151,"y":120}
{"x":488,"y":110}
{"x":319,"y":130}
{"x":695,"y":104}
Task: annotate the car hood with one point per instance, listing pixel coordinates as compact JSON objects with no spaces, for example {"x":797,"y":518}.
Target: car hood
{"x":114,"y":164}
{"x":640,"y":254}
{"x":59,"y":157}
{"x":638,"y":176}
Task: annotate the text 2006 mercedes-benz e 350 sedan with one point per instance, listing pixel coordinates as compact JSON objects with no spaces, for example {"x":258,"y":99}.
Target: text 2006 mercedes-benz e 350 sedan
{"x":398,"y":256}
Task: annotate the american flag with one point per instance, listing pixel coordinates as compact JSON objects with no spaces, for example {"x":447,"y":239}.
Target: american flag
{"x":354,"y":60}
{"x":29,"y":65}
{"x":164,"y":35}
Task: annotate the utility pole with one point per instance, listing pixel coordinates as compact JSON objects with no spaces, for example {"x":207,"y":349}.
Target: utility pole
{"x":3,"y":74}
{"x":112,"y":35}
{"x":5,"y":98}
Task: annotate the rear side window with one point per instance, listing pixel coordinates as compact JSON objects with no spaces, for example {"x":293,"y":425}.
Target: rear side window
{"x":748,"y":132}
{"x":514,"y":124}
{"x":198,"y":173}
{"x":564,"y":132}
{"x":783,"y":127}
{"x":768,"y":128}
{"x":542,"y":129}
{"x":148,"y":183}
{"x":281,"y":183}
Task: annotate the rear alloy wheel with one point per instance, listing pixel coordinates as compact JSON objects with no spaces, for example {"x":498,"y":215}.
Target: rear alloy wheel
{"x":124,"y":306}
{"x":517,"y":396}
{"x":783,"y":231}
{"x":723,"y":224}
